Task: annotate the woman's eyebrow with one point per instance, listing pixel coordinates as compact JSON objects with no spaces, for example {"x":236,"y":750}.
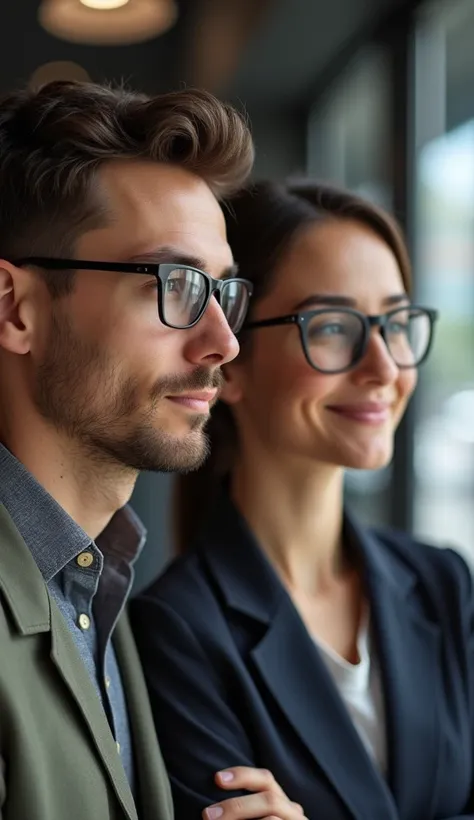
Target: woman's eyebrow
{"x":337,"y":300}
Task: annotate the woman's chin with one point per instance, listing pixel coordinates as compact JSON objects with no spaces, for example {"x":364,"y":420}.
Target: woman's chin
{"x":369,"y":459}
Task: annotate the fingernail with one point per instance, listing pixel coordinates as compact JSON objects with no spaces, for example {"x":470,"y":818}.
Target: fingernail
{"x":214,"y":812}
{"x":226,"y":776}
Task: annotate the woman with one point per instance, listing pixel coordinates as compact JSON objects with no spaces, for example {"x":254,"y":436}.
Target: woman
{"x":289,"y":637}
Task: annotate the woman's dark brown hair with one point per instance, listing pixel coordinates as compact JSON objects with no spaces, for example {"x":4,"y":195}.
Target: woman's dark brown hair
{"x":261,"y":222}
{"x":53,"y":141}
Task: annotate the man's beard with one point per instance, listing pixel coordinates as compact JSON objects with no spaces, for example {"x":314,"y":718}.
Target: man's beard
{"x":82,"y":393}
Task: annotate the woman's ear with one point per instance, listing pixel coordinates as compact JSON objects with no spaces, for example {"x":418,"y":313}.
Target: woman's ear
{"x":231,"y":390}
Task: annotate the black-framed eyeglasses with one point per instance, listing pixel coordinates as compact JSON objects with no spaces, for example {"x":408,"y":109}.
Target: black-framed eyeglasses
{"x":334,"y":340}
{"x":183,"y":292}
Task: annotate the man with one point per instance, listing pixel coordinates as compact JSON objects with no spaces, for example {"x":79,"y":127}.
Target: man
{"x":114,"y":321}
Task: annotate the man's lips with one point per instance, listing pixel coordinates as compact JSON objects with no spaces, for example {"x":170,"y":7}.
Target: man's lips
{"x":198,"y":401}
{"x":370,"y":412}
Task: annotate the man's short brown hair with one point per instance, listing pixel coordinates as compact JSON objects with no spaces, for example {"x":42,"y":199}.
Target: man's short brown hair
{"x":53,"y":140}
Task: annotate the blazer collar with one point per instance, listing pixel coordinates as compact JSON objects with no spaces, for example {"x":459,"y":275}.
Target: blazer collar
{"x":21,"y":581}
{"x":408,"y":650}
{"x":248,"y":580}
{"x":380,"y":565}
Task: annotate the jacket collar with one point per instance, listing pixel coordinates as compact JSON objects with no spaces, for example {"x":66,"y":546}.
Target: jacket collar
{"x":248,"y":580}
{"x":21,"y":581}
{"x":408,"y":649}
{"x":52,"y":536}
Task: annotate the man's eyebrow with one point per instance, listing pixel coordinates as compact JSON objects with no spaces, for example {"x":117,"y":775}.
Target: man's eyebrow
{"x":173,"y":256}
{"x":230,"y":271}
{"x":168,"y":254}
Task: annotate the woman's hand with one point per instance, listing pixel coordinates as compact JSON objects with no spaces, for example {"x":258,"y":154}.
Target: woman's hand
{"x":267,"y":801}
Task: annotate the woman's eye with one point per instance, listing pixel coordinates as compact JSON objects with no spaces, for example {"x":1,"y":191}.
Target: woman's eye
{"x":328,"y":330}
{"x":398,"y":327}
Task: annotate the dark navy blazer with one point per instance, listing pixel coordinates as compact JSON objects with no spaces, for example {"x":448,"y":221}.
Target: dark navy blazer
{"x":235,"y":679}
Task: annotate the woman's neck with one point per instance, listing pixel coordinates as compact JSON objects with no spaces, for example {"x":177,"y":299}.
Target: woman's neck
{"x":295,"y":511}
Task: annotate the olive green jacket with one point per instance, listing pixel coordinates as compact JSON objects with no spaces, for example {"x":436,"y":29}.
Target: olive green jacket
{"x":58,"y":757}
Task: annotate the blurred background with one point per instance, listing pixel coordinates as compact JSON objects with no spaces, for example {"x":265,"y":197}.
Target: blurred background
{"x":377,"y":95}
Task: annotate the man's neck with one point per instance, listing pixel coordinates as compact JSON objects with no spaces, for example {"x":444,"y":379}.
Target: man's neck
{"x":88,"y":488}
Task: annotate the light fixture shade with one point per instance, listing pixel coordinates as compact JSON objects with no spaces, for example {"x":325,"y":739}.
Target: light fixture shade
{"x":58,"y":70}
{"x":131,"y":22}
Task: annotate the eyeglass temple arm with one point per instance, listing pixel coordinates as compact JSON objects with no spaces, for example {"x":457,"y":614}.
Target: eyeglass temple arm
{"x":281,"y":320}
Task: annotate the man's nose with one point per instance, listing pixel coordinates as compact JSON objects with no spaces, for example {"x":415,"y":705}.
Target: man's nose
{"x":211,"y":341}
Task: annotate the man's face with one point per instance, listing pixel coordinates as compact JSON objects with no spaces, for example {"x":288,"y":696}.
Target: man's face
{"x":105,"y":370}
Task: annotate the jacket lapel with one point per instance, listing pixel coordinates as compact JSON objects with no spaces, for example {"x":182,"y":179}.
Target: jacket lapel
{"x":71,"y":668}
{"x":408,"y":648}
{"x":155,"y":799}
{"x":293,"y":671}
{"x":291,"y":667}
{"x":34,"y":611}
{"x":409,"y":651}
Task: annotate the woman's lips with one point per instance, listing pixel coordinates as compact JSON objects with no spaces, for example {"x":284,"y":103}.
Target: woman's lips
{"x":363,"y":412}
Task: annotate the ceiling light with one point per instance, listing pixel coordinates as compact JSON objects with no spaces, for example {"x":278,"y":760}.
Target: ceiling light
{"x":107,"y":22}
{"x":104,"y":4}
{"x":59,"y":70}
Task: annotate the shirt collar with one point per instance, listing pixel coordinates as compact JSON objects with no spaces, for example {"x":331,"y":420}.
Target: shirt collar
{"x":52,"y":536}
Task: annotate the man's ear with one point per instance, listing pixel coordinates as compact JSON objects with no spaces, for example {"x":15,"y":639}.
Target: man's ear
{"x":231,"y":391}
{"x":15,"y":330}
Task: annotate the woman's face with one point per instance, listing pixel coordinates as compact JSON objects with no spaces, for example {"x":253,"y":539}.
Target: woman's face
{"x":279,"y":401}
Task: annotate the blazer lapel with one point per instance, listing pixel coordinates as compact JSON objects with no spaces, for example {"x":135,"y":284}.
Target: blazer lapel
{"x":72,"y":670}
{"x":295,"y":674}
{"x":290,"y":665}
{"x":155,"y":799}
{"x":409,"y":653}
{"x":34,"y":611}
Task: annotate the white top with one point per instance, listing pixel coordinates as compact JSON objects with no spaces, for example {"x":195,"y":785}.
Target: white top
{"x":360,"y":687}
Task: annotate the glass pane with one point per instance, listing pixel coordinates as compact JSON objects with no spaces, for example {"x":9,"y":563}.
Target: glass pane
{"x":444,"y":440}
{"x":349,"y":129}
{"x":349,"y":144}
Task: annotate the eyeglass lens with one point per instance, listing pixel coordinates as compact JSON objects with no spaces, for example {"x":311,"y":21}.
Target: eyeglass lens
{"x":185,"y":294}
{"x":335,"y":339}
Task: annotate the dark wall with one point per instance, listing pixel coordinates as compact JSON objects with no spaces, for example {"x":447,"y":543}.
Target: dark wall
{"x":280,"y":140}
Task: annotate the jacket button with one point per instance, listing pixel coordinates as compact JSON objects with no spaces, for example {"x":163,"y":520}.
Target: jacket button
{"x":84,"y":621}
{"x":85,"y":559}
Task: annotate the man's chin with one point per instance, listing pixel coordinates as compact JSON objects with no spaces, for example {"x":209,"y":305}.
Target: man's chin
{"x":183,"y":454}
{"x":155,"y":451}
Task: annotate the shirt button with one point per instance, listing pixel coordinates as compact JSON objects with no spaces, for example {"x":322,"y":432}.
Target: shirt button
{"x":118,"y":747}
{"x":107,"y":682}
{"x":84,"y":621}
{"x":85,"y":559}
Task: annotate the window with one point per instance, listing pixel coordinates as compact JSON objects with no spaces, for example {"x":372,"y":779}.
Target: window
{"x":349,"y":144}
{"x":349,"y":129}
{"x":444,"y":263}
